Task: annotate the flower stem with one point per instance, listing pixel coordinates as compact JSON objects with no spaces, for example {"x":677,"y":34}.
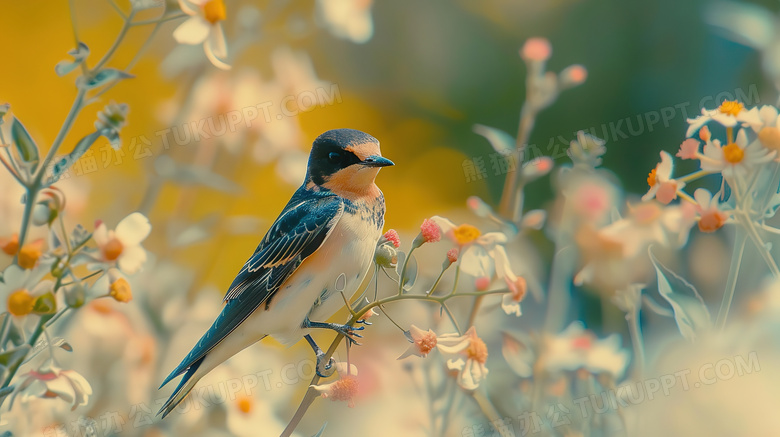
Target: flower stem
{"x":637,"y":341}
{"x":731,"y":282}
{"x":312,"y":394}
{"x":33,"y":339}
{"x":122,"y":32}
{"x":489,"y":410}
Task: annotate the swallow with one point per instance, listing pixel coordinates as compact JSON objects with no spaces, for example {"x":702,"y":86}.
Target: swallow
{"x":326,"y":234}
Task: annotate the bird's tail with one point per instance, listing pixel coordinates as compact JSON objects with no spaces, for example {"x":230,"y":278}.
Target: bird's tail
{"x":183,"y":389}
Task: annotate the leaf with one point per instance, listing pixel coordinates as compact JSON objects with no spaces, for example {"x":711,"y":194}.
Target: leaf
{"x":101,"y":78}
{"x":410,"y":276}
{"x":690,"y":312}
{"x":64,"y":163}
{"x":501,"y":141}
{"x":13,"y":357}
{"x":46,"y":304}
{"x":321,"y":431}
{"x":79,"y":55}
{"x":25,"y":145}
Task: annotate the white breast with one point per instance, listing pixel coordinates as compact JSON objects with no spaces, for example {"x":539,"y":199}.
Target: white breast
{"x":311,"y":290}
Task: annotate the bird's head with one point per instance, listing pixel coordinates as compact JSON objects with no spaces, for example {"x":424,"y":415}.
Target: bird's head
{"x":345,"y":161}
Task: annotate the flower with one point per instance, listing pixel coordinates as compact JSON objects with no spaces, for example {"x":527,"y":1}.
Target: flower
{"x":689,"y":148}
{"x":30,"y":253}
{"x":711,"y":217}
{"x":392,"y":236}
{"x":347,"y":19}
{"x":429,"y":232}
{"x":769,"y":131}
{"x":662,"y":186}
{"x":10,"y":245}
{"x":19,"y":291}
{"x":119,"y":288}
{"x":423,"y":342}
{"x":576,"y":348}
{"x":452,"y":255}
{"x":536,"y":49}
{"x":49,"y":381}
{"x":473,"y":370}
{"x":734,"y":159}
{"x":590,"y":197}
{"x":572,"y":76}
{"x":123,"y":245}
{"x":204,"y":26}
{"x":477,"y":251}
{"x":111,"y":120}
{"x":650,"y":222}
{"x":482,"y":283}
{"x":386,"y":255}
{"x":343,"y":389}
{"x":586,"y":150}
{"x":517,"y":285}
{"x":728,"y":114}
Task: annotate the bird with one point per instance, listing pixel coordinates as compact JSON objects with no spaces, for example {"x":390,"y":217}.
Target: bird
{"x":320,"y":245}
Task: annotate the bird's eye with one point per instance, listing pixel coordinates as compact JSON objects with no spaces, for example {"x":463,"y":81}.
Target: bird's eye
{"x":334,"y":156}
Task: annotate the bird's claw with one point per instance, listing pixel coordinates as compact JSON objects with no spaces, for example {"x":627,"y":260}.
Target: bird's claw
{"x":365,"y":322}
{"x":349,"y":333}
{"x":325,"y":371}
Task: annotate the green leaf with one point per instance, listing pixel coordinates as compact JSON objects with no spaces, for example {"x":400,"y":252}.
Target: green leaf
{"x":690,"y":312}
{"x":28,"y":151}
{"x":501,"y":141}
{"x":46,"y":304}
{"x":410,"y":275}
{"x":13,"y":357}
{"x":101,"y":78}
{"x":64,"y":163}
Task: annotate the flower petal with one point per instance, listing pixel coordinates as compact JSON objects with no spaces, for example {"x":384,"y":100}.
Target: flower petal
{"x":132,"y":259}
{"x":133,"y":229}
{"x":193,"y":31}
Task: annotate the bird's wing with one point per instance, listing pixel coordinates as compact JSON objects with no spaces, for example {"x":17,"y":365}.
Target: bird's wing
{"x":298,"y":232}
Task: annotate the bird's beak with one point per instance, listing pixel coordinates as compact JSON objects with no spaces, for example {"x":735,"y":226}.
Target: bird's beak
{"x":376,"y":161}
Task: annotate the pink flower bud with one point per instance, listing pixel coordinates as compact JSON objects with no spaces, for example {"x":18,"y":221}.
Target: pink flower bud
{"x":452,"y":254}
{"x":482,"y":283}
{"x":430,"y":231}
{"x":536,"y":49}
{"x":392,"y":236}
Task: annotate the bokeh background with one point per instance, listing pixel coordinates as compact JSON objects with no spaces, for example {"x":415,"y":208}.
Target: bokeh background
{"x":429,"y":72}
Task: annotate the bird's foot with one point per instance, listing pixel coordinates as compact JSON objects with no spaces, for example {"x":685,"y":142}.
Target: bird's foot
{"x":325,"y":370}
{"x":365,"y":322}
{"x":349,"y":333}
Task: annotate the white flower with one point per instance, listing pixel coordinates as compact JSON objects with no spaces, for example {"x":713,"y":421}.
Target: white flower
{"x":52,"y":382}
{"x":19,"y":291}
{"x":473,"y":370}
{"x":662,"y":186}
{"x":111,"y":120}
{"x":348,"y":19}
{"x":123,"y":245}
{"x":587,"y":150}
{"x":711,"y":216}
{"x":424,"y":342}
{"x":650,"y":222}
{"x":478,"y":253}
{"x":728,"y":114}
{"x":204,"y":26}
{"x":575,"y":348}
{"x":517,"y":285}
{"x":736,"y":159}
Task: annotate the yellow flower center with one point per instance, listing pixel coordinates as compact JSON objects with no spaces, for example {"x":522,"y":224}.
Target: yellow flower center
{"x":29,"y":255}
{"x":10,"y":245}
{"x":20,"y":303}
{"x":731,"y":107}
{"x":214,"y":10}
{"x":477,"y":350}
{"x":244,"y":404}
{"x":465,"y":234}
{"x":733,"y":153}
{"x":651,"y":179}
{"x":112,"y":249}
{"x":120,"y":290}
